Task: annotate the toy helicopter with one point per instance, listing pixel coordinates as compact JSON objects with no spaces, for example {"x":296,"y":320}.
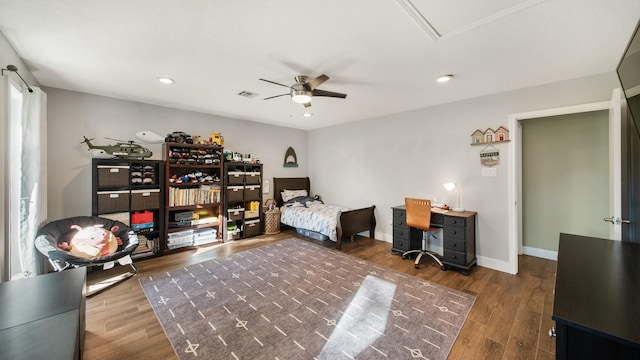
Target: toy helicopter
{"x":123,"y":150}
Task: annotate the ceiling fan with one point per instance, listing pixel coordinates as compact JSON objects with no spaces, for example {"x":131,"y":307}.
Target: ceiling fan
{"x":304,"y":89}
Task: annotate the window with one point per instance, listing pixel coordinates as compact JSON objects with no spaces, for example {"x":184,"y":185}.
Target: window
{"x":25,"y":186}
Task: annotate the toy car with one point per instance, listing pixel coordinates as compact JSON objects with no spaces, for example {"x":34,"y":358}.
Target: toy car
{"x":178,"y":137}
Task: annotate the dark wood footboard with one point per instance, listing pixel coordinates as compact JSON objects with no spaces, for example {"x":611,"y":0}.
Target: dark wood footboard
{"x":350,"y":222}
{"x":356,"y":221}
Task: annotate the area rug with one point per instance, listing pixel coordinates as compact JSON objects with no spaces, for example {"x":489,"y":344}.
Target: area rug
{"x":297,"y":300}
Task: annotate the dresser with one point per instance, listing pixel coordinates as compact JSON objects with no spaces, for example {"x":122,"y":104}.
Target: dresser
{"x":597,"y":296}
{"x":459,"y":236}
{"x":43,"y":317}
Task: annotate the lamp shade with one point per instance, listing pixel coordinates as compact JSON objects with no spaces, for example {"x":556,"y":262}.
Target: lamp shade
{"x":450,"y":186}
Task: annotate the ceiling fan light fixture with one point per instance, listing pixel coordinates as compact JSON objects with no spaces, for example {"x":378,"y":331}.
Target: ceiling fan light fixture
{"x":300,"y":96}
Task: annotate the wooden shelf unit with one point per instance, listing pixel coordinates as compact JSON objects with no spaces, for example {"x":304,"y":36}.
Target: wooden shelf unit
{"x":193,"y":195}
{"x":132,"y":192}
{"x":243,"y":187}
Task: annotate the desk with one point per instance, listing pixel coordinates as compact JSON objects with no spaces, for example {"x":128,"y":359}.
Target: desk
{"x":459,"y":236}
{"x":597,"y":299}
{"x":43,"y":317}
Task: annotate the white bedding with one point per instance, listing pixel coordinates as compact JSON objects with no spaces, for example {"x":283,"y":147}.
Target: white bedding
{"x":318,"y":217}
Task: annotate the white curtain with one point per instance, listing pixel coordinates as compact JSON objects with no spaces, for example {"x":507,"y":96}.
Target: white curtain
{"x":31,"y":181}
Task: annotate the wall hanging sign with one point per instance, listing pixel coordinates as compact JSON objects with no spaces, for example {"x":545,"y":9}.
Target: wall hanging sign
{"x":290,"y":158}
{"x":501,"y":134}
{"x":489,"y":156}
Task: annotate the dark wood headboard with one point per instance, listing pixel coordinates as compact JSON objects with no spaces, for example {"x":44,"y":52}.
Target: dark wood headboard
{"x":279,"y":184}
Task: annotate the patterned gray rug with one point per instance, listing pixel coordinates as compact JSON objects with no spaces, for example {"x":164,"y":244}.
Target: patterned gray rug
{"x":297,"y":300}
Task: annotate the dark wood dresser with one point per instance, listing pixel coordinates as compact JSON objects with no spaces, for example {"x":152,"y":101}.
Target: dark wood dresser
{"x":43,"y":317}
{"x":597,"y":299}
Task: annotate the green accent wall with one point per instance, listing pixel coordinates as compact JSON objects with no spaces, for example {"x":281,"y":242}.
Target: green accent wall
{"x":565,"y":177}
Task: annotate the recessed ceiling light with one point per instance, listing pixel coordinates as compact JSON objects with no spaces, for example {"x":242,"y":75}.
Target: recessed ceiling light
{"x":166,"y":80}
{"x":445,"y":78}
{"x":307,"y":114}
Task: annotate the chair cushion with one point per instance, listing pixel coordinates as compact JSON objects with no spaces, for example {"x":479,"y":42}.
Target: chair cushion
{"x":52,"y":235}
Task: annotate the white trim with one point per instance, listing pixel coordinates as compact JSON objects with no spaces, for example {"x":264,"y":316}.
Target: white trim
{"x":4,"y":176}
{"x":491,"y":18}
{"x":420,"y":19}
{"x":615,"y":167}
{"x":514,"y":178}
{"x":492,"y":263}
{"x":541,"y":253}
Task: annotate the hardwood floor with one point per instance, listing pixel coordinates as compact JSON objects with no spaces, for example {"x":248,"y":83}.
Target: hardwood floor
{"x":509,"y":320}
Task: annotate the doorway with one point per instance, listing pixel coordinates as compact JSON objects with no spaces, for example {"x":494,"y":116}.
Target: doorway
{"x":565,"y":179}
{"x":515,"y":171}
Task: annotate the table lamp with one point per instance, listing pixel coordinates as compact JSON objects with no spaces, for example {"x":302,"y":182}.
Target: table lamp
{"x":450,"y":186}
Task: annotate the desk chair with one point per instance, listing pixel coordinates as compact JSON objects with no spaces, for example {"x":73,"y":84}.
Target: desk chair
{"x":419,"y":217}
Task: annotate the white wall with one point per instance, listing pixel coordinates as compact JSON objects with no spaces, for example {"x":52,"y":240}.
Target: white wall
{"x":72,"y":115}
{"x":381,"y":160}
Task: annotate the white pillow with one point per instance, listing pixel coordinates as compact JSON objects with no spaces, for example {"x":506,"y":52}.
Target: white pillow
{"x":290,"y":194}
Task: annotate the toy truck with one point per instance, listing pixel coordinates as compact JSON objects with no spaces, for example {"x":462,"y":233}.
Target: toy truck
{"x":216,"y":138}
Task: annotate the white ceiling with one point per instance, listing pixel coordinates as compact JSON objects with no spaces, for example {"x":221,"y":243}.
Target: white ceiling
{"x":373,"y":50}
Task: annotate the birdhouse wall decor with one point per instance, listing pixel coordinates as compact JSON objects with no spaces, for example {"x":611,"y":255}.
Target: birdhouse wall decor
{"x":490,"y":136}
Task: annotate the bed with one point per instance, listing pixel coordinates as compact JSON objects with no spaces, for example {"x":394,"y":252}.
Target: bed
{"x":315,"y":218}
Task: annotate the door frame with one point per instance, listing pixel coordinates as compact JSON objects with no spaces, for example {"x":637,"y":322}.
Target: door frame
{"x":515,"y":171}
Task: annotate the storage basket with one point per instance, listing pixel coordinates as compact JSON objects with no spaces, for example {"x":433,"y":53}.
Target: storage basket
{"x":112,"y":201}
{"x":251,"y":228}
{"x":145,"y":199}
{"x":272,"y":221}
{"x":113,"y":176}
{"x":235,"y":193}
{"x":235,"y":214}
{"x":252,"y":192}
{"x":252,"y":177}
{"x":233,"y":234}
{"x":235,"y":177}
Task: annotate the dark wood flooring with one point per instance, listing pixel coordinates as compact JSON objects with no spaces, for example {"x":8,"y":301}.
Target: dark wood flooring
{"x":510,"y":319}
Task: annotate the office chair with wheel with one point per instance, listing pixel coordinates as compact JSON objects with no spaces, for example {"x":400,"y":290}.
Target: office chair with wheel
{"x":419,"y":217}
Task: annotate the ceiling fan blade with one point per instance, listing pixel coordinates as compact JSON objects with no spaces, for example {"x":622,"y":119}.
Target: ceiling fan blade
{"x":318,"y":92}
{"x":273,"y":82}
{"x":307,"y":104}
{"x":314,"y":83}
{"x":275,"y":96}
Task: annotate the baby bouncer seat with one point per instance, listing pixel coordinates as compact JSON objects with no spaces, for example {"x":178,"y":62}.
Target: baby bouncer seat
{"x":59,"y":242}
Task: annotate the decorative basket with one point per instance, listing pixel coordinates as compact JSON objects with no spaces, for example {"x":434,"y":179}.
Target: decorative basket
{"x":272,"y":221}
{"x":270,"y":204}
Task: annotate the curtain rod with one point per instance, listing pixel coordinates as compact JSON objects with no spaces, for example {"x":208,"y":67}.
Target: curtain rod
{"x":14,"y":69}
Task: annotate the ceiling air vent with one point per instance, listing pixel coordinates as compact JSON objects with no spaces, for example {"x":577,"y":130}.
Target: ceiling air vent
{"x":247,"y":94}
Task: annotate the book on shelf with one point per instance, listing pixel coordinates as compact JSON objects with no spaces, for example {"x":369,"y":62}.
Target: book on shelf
{"x":205,"y":194}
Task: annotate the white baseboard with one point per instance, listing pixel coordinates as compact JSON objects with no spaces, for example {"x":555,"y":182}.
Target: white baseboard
{"x":541,"y":253}
{"x":494,"y":264}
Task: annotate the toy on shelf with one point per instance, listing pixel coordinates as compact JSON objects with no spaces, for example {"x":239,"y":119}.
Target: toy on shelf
{"x":216,"y":139}
{"x":123,"y":150}
{"x":179,"y":137}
